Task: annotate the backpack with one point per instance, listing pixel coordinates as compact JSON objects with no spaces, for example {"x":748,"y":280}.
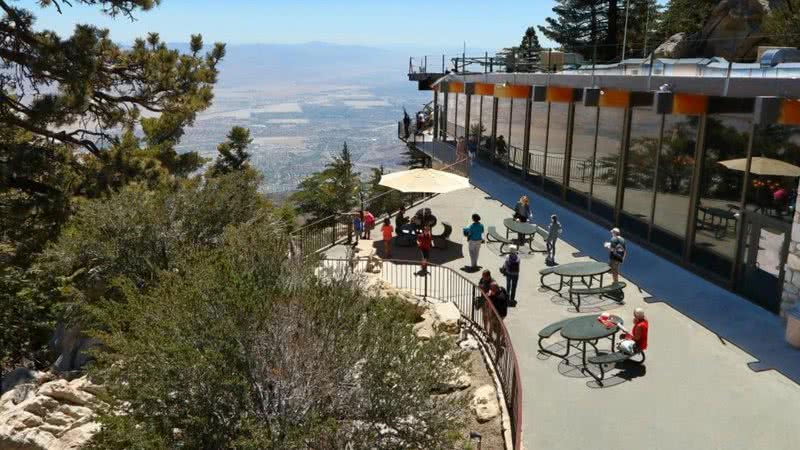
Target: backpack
{"x":618,"y":250}
{"x":513,"y":266}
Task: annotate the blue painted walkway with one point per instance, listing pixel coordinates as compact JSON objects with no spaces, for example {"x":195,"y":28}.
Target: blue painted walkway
{"x":733,"y":318}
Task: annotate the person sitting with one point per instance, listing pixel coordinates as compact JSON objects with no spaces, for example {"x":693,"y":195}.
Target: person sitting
{"x":635,"y":341}
{"x":522,"y":211}
{"x":499,"y":299}
{"x":500,"y":146}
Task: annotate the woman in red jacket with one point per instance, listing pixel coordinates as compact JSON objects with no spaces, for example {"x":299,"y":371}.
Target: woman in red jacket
{"x":425,"y":242}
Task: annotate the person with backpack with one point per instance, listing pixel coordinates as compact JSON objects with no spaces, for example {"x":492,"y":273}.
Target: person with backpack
{"x":553,"y":232}
{"x":499,"y":298}
{"x":511,"y":271}
{"x":616,"y":252}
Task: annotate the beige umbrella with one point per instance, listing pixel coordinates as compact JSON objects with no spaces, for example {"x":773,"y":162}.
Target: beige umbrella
{"x":763,"y":166}
{"x":425,"y":181}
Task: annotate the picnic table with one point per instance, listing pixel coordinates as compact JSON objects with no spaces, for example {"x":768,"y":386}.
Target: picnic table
{"x":717,"y":220}
{"x":578,"y":269}
{"x":589,"y":330}
{"x":523,"y":230}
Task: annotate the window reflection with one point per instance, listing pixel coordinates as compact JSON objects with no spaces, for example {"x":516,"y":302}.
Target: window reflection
{"x":517,"y":134}
{"x":538,"y":136}
{"x":582,"y":148}
{"x":486,"y":125}
{"x":609,"y":142}
{"x":451,"y":115}
{"x":503,"y":124}
{"x":675,"y":165}
{"x":768,"y":194}
{"x":461,"y":114}
{"x":641,"y":170}
{"x":721,"y":188}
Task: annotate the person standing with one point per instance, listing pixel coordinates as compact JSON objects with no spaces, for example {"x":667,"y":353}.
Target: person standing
{"x":400,"y":219}
{"x":474,"y":235}
{"x":369,"y":224}
{"x":511,"y":271}
{"x":616,"y":252}
{"x":425,"y":242}
{"x":499,"y":299}
{"x":406,"y":122}
{"x":553,"y":232}
{"x":500,"y":146}
{"x":387,"y":231}
{"x":522,"y":210}
{"x":358,"y":227}
{"x":461,"y":149}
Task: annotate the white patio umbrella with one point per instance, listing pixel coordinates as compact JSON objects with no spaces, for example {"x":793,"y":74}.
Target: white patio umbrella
{"x":424,"y":180}
{"x":763,"y":166}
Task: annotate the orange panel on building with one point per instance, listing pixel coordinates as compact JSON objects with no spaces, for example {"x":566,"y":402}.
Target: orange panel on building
{"x":484,"y":89}
{"x":790,"y":112}
{"x":455,"y":86}
{"x":614,"y":98}
{"x":558,"y":94}
{"x":512,"y":91}
{"x":689,"y":104}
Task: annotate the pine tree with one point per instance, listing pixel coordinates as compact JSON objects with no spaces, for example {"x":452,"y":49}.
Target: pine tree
{"x":233,"y":152}
{"x":330,"y":191}
{"x":687,"y":16}
{"x":529,"y":49}
{"x":587,"y":27}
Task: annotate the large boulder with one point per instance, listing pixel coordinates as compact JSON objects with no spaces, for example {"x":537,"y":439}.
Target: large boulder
{"x":53,"y":415}
{"x":676,"y":46}
{"x":484,"y":403}
{"x":446,"y":317}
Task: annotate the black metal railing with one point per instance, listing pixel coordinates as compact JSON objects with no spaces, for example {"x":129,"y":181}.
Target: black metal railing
{"x":447,"y":285}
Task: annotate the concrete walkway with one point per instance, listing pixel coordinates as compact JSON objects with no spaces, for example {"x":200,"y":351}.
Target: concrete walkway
{"x":695,"y":391}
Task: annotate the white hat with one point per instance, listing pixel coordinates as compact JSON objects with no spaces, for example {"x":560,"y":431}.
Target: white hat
{"x":512,"y":249}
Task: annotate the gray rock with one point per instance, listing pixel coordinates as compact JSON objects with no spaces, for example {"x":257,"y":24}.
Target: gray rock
{"x":16,"y":377}
{"x":676,"y":46}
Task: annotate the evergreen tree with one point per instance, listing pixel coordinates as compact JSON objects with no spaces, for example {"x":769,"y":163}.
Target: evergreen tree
{"x":233,"y":154}
{"x":644,"y":24}
{"x":586,"y":26}
{"x":509,"y":57}
{"x":686,"y":16}
{"x":783,"y":23}
{"x":330,"y":191}
{"x":529,"y":50}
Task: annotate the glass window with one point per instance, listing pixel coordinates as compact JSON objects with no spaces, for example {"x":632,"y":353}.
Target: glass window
{"x":517,"y":140}
{"x":451,"y":115}
{"x":720,"y":192}
{"x":538,"y":137}
{"x":641,"y":170}
{"x":782,"y":143}
{"x":486,"y":123}
{"x":461,"y":114}
{"x":475,"y":116}
{"x":609,"y":142}
{"x":582,"y":148}
{"x":503,"y":124}
{"x":675,"y":164}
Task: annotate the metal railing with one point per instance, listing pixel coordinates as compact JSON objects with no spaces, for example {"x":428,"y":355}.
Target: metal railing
{"x":335,"y":229}
{"x":447,"y":285}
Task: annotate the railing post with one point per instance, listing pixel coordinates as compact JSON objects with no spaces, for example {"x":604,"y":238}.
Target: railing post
{"x":333,"y":232}
{"x":425,"y":287}
{"x":472,"y":304}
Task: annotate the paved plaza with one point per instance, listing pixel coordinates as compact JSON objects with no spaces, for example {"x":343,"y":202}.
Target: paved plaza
{"x":695,"y":391}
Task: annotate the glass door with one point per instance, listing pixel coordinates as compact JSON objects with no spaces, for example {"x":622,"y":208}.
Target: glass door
{"x":764,"y":252}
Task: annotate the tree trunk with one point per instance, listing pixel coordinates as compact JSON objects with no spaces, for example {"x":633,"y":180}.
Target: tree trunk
{"x":610,"y":50}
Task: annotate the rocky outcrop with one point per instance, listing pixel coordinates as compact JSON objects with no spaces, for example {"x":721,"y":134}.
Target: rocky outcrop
{"x":43,"y":413}
{"x":674,"y":47}
{"x":733,"y":30}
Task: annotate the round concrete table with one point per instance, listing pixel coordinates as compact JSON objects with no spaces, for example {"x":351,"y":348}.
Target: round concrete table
{"x":523,"y":230}
{"x":582,"y":270}
{"x":588,"y":329}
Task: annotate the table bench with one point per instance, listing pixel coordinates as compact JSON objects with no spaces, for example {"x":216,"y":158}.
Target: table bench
{"x":544,"y":272}
{"x":612,"y":291}
{"x":612,"y":358}
{"x":549,"y":331}
{"x":494,"y":236}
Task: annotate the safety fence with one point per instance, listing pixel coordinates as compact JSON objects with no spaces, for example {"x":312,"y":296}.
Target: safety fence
{"x":443,"y":284}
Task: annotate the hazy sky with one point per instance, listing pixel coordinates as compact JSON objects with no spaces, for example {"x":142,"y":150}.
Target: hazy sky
{"x":438,"y":25}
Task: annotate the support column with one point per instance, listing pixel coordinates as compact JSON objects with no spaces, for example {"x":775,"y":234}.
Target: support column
{"x":526,"y":141}
{"x":444,"y":114}
{"x":568,"y":150}
{"x":694,"y":193}
{"x":467,"y":112}
{"x":622,"y":163}
{"x":494,"y":126}
{"x":435,"y":115}
{"x":791,"y":278}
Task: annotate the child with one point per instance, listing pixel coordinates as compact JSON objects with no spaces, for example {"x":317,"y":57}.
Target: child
{"x":357,"y":227}
{"x":387,"y":231}
{"x":369,"y":224}
{"x":425,"y":242}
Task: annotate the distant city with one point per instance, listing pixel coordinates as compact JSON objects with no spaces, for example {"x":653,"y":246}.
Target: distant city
{"x":298,"y":125}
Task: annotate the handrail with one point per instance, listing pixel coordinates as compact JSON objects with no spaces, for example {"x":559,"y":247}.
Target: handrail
{"x":457,"y":289}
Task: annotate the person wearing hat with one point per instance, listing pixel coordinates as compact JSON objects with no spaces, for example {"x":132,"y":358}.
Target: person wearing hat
{"x":616,"y":252}
{"x":511,"y":270}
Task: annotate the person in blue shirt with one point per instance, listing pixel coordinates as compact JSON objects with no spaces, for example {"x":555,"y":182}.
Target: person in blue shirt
{"x":474,"y":235}
{"x":358,"y":226}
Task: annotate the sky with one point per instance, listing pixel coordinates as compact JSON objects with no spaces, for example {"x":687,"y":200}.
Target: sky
{"x":434,"y":25}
